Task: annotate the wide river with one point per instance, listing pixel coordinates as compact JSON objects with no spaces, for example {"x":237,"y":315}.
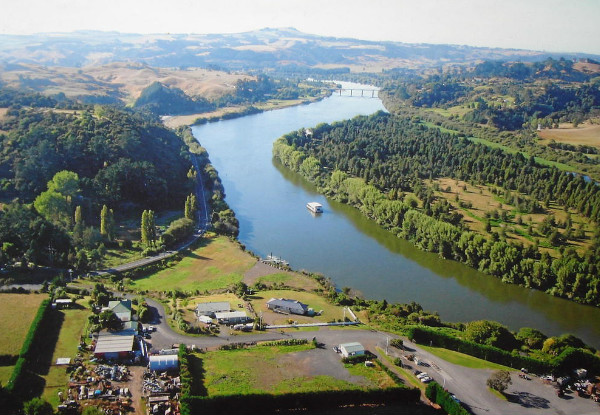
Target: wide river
{"x":270,"y":203}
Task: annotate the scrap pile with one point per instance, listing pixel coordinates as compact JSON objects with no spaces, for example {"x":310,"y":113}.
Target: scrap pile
{"x":95,"y":386}
{"x":162,"y":392}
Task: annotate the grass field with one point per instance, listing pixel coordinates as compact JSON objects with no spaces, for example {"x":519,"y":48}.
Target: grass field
{"x":16,"y":314}
{"x":5,"y":374}
{"x":463,"y":359}
{"x":278,"y":370}
{"x":482,"y":200}
{"x":216,"y":264}
{"x":586,"y":134}
{"x":314,"y":301}
{"x":71,"y":329}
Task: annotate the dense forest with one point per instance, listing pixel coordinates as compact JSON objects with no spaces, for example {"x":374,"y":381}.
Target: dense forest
{"x":65,"y":174}
{"x":385,"y":164}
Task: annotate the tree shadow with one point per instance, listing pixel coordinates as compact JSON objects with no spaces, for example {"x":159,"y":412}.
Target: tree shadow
{"x":39,"y":359}
{"x":197,"y":368}
{"x":528,"y":400}
{"x":190,"y":254}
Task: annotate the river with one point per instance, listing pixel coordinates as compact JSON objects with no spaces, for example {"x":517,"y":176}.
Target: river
{"x":270,"y":203}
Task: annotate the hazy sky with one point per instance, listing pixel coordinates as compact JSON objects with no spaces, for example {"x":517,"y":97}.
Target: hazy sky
{"x":550,"y":25}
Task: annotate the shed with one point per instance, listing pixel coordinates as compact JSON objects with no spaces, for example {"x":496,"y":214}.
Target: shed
{"x":163,"y":362}
{"x":63,"y":303}
{"x":232,"y":317}
{"x":114,"y":346}
{"x":352,"y":349}
{"x":205,"y":319}
{"x":209,"y":309}
{"x":287,"y":306}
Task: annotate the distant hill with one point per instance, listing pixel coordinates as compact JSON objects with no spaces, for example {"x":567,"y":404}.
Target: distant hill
{"x":262,"y":49}
{"x":160,"y":99}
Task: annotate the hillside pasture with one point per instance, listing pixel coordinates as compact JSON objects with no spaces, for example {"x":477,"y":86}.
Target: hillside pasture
{"x":482,"y":200}
{"x":16,"y":314}
{"x":586,"y":134}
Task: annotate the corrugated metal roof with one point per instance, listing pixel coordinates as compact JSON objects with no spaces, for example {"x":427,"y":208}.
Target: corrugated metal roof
{"x":163,"y":362}
{"x":213,"y":307}
{"x":114,"y":343}
{"x":287,"y":303}
{"x":352,"y":347}
{"x":231,"y":314}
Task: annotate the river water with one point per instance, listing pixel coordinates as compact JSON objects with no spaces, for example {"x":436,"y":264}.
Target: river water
{"x":270,"y":203}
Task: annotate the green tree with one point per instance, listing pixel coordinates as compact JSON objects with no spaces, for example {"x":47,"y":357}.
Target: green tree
{"x":191,"y":206}
{"x":145,"y":229}
{"x":499,"y":380}
{"x":107,"y":223}
{"x":53,"y":207}
{"x":532,"y":338}
{"x":65,"y":182}
{"x":37,"y":406}
{"x":490,"y":333}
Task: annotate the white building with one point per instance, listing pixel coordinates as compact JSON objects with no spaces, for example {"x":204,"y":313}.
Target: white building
{"x":352,"y":349}
{"x":232,"y":317}
{"x":163,"y":362}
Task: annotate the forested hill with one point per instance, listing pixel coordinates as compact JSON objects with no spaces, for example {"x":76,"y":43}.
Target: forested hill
{"x":66,"y":174}
{"x":392,"y":168}
{"x":120,"y":157}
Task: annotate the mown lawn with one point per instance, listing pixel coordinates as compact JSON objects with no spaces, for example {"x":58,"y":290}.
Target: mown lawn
{"x":314,"y":301}
{"x":463,"y":359}
{"x":217,"y":263}
{"x":71,"y":329}
{"x":16,"y":314}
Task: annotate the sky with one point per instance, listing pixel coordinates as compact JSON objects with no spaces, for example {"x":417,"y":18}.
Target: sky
{"x":547,"y":25}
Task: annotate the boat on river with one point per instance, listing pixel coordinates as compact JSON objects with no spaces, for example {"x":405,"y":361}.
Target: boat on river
{"x":315,"y":207}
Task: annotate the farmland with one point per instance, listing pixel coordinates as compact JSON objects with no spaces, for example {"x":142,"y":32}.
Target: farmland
{"x":16,"y":314}
{"x":478,"y":202}
{"x":587,"y":134}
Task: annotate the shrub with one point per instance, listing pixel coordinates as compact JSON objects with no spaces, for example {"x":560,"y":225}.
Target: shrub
{"x":437,"y":394}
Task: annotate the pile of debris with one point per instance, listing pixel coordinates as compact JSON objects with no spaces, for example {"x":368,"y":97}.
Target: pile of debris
{"x":162,"y":391}
{"x":161,"y":384}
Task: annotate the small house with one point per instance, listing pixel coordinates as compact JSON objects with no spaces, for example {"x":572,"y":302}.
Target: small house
{"x":287,"y":306}
{"x":352,"y":349}
{"x":122,"y":309}
{"x":209,"y":309}
{"x":232,"y":317}
{"x":162,"y":363}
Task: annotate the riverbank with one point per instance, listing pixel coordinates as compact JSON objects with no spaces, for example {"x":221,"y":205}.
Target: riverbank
{"x":269,"y":201}
{"x":228,"y":113}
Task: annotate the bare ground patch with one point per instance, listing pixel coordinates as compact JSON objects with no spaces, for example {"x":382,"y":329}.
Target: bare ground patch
{"x":586,"y":134}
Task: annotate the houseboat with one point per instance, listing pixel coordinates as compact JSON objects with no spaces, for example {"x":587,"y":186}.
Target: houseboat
{"x":315,"y":207}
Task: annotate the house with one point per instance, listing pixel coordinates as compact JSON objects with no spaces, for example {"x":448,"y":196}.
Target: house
{"x":163,"y":362}
{"x":130,"y":328}
{"x":287,"y":306}
{"x":352,"y":349}
{"x":121,"y":308}
{"x":209,"y":309}
{"x":232,"y":317}
{"x":113,"y":346}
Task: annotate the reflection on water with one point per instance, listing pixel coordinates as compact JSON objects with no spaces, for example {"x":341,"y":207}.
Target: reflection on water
{"x":270,"y":202}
